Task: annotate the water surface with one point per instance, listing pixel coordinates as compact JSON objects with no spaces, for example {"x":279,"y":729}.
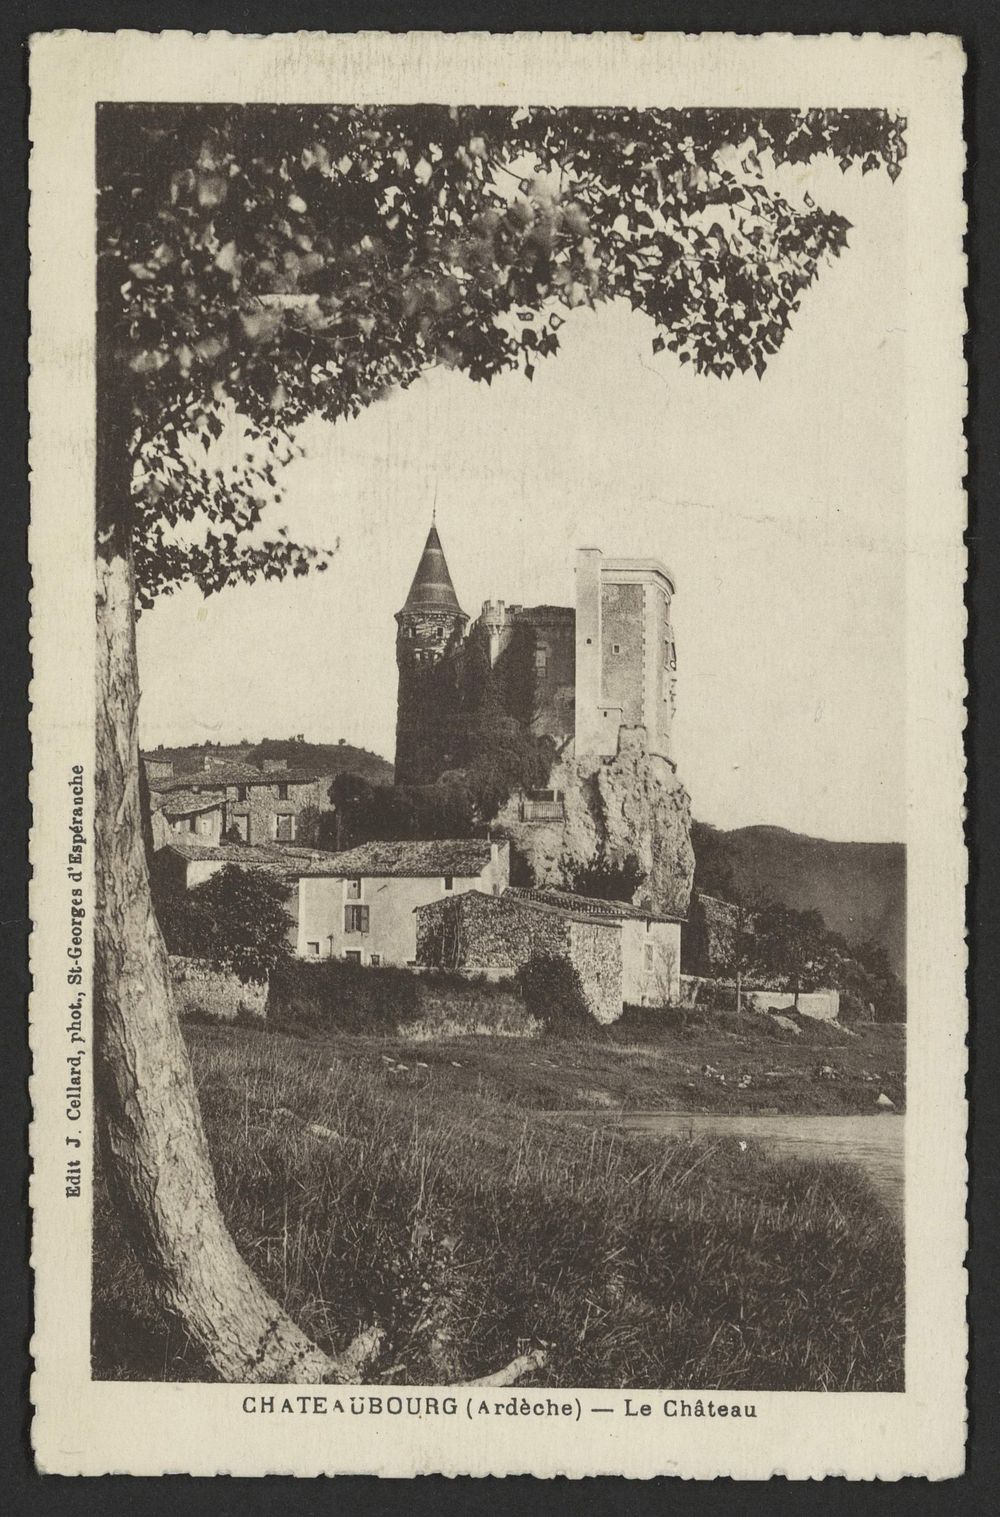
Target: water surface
{"x":874,"y":1144}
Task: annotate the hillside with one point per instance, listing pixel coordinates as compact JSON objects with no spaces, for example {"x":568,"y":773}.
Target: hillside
{"x":327,"y":758}
{"x":859,"y":888}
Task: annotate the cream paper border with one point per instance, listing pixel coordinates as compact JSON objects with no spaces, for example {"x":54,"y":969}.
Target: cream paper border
{"x":82,"y":1427}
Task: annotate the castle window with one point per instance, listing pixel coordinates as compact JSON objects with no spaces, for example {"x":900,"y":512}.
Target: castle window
{"x":541,"y":662}
{"x":449,"y":882}
{"x":355,"y":918}
{"x":616,"y":647}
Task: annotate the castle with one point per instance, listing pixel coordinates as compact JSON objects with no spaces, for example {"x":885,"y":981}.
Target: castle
{"x":586,"y":677}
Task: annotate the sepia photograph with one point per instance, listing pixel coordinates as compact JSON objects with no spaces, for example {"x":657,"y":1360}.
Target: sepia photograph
{"x":500,"y":972}
{"x":499,"y":869}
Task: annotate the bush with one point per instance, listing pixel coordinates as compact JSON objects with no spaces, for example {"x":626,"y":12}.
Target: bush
{"x":238,"y":919}
{"x":337,"y":994}
{"x":553,"y":992}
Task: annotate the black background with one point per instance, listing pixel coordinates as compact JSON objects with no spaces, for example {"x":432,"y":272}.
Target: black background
{"x":21,"y":1490}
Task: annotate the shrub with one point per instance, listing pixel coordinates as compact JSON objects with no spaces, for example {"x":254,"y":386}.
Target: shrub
{"x":238,"y":919}
{"x":553,"y":992}
{"x":339,"y":994}
{"x":605,"y":879}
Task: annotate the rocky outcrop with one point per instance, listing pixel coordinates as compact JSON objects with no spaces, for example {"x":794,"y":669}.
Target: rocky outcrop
{"x":632,"y":805}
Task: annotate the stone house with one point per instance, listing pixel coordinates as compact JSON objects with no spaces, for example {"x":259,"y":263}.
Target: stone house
{"x":189,"y":814}
{"x":710,"y":935}
{"x":624,"y":955}
{"x":260,"y":805}
{"x":189,"y":862}
{"x":360,"y":904}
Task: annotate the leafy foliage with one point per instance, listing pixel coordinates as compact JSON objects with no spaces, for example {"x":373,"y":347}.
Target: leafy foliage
{"x":553,"y":992}
{"x":772,"y":945}
{"x":274,"y":262}
{"x":238,"y":919}
{"x":339,"y":994}
{"x":606,"y":880}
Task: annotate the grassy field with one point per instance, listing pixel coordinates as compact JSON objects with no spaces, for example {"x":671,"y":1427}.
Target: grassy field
{"x":650,"y":1060}
{"x":419,"y":1184}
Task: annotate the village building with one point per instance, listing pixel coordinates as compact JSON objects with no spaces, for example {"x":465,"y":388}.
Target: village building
{"x":189,"y":814}
{"x":623,"y":955}
{"x":188,"y":861}
{"x":360,"y":904}
{"x":258,"y":805}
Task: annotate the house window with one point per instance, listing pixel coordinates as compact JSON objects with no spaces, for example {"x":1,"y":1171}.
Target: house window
{"x":449,"y":882}
{"x":354,"y":890}
{"x":376,"y":960}
{"x":313,"y":949}
{"x":282,"y":792}
{"x":241,"y":792}
{"x":192,"y":824}
{"x":355,"y":918}
{"x":284,"y":829}
{"x":353,"y":955}
{"x":241,"y":825}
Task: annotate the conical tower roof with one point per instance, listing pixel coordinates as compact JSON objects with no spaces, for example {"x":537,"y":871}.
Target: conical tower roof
{"x":432,"y":589}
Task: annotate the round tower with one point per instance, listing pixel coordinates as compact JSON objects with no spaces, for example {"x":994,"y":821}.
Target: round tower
{"x":430,"y":629}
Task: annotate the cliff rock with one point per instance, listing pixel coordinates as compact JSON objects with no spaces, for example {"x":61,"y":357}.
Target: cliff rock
{"x":630,"y":805}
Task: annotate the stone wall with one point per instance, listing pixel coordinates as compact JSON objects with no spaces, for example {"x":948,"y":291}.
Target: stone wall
{"x":256,"y":818}
{"x":824,"y":1005}
{"x":596,"y":950}
{"x":500,"y":934}
{"x":709,"y":935}
{"x":493,"y":932}
{"x":203,"y":989}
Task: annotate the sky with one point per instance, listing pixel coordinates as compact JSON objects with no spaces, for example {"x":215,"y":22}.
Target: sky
{"x":779,"y":505}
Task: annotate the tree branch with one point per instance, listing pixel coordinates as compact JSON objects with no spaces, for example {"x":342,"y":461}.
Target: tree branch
{"x":512,"y":1372}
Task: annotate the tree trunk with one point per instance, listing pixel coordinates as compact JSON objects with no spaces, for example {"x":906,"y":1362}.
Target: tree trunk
{"x":152,"y":1137}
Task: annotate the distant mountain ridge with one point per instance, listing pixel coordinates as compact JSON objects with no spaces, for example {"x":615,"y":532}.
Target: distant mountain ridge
{"x":859,"y":888}
{"x":325,"y":758}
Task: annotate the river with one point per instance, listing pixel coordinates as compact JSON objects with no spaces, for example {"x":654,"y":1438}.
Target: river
{"x":874,"y":1144}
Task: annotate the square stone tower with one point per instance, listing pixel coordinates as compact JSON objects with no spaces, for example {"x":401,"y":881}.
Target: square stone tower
{"x":625,"y":658}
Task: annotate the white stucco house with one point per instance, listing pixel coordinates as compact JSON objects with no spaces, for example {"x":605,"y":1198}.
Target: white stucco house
{"x":360,"y":904}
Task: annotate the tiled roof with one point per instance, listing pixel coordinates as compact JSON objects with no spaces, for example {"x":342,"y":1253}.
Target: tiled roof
{"x":278,"y":858}
{"x":238,"y":774}
{"x":589,"y":906}
{"x":464,"y":857}
{"x":186,"y":802}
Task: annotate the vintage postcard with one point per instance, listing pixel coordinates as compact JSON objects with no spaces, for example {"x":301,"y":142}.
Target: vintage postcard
{"x":498,"y":878}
